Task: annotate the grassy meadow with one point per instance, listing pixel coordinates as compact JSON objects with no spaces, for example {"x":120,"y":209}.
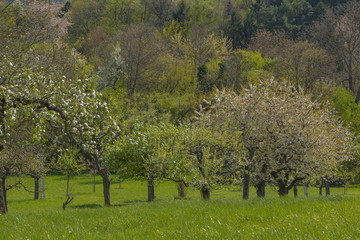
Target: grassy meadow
{"x":225,"y":216}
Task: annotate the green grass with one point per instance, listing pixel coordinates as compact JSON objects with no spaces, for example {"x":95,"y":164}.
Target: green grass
{"x":225,"y":216}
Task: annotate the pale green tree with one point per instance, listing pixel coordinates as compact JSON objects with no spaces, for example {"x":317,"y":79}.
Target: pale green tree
{"x":147,"y":153}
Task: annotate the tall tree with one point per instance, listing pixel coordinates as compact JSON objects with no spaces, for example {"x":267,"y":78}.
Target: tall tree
{"x":161,"y":9}
{"x":146,"y":153}
{"x":207,"y":150}
{"x":289,"y":16}
{"x":85,"y":16}
{"x":338,"y":31}
{"x":303,"y":63}
{"x":140,"y":50}
{"x":201,"y":47}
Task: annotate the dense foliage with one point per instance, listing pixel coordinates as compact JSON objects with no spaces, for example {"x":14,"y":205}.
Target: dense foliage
{"x":286,"y":112}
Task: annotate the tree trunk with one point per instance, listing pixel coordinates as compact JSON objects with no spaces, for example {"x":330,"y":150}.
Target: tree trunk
{"x":246,"y":181}
{"x":36,"y":188}
{"x":295,"y":191}
{"x":42,"y":188}
{"x":151,"y":190}
{"x":3,"y":202}
{"x":246,"y":186}
{"x":320,"y":190}
{"x":327,"y":188}
{"x":283,"y":190}
{"x":260,"y":189}
{"x":104,"y":173}
{"x":306,"y":186}
{"x":357,"y":99}
{"x":181,"y":190}
{"x":205,"y":193}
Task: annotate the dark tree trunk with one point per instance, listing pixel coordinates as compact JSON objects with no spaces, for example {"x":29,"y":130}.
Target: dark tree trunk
{"x":246,"y":186}
{"x":260,"y":189}
{"x":104,"y":173}
{"x":36,"y":188}
{"x":246,"y":181}
{"x":205,"y":193}
{"x":68,"y":200}
{"x":357,"y":99}
{"x":181,"y":190}
{"x":295,"y":191}
{"x":3,"y":201}
{"x":306,"y":186}
{"x":320,"y":190}
{"x":327,"y":188}
{"x":151,"y":190}
{"x":283,"y":190}
{"x":68,"y":197}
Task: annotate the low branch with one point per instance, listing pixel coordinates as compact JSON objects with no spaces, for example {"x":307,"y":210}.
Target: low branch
{"x":43,"y":103}
{"x":16,"y":185}
{"x":8,"y":5}
{"x":293,"y":182}
{"x":67,"y":201}
{"x":26,"y":189}
{"x":178,"y":181}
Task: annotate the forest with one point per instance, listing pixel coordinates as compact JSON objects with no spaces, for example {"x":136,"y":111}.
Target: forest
{"x":251,"y":93}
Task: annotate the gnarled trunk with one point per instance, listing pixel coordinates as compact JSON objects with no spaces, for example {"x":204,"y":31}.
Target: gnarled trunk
{"x":260,"y":189}
{"x":283,"y":190}
{"x":327,"y":188}
{"x":283,"y":183}
{"x":104,"y":173}
{"x":205,"y":193}
{"x":295,"y":191}
{"x":151,"y":190}
{"x":181,"y":190}
{"x":246,"y":186}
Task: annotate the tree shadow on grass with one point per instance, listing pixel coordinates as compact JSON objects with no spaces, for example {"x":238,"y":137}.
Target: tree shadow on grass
{"x":85,"y":182}
{"x":125,"y":203}
{"x":129,"y":202}
{"x":182,"y":198}
{"x":134,"y":202}
{"x":86,"y":206}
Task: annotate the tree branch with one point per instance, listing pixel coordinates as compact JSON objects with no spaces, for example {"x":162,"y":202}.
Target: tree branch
{"x":178,"y":181}
{"x":8,"y":5}
{"x":16,"y":185}
{"x":43,"y":103}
